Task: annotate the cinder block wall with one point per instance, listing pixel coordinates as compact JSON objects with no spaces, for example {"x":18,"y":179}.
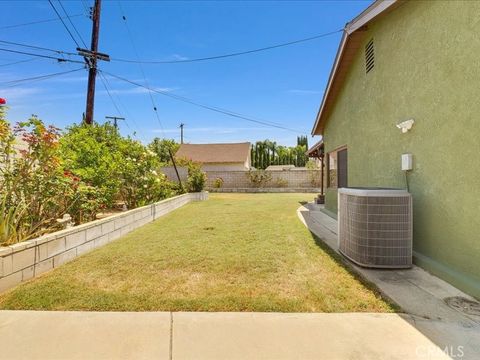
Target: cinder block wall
{"x":171,"y":175}
{"x":285,"y":179}
{"x":25,"y":260}
{"x":294,"y":179}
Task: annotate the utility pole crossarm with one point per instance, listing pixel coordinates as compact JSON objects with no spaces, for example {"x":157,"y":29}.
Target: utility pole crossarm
{"x":115,"y":119}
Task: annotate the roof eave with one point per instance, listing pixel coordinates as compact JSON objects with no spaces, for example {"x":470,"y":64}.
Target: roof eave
{"x":330,"y":81}
{"x":357,"y":23}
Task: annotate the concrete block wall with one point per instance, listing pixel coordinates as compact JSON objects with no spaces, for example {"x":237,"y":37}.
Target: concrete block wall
{"x":288,"y":179}
{"x":171,"y":175}
{"x":280,"y":179}
{"x":25,"y":260}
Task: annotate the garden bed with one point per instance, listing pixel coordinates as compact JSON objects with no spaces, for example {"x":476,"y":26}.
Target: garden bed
{"x":235,"y":252}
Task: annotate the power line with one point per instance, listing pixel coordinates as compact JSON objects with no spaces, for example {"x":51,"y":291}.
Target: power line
{"x":38,"y":78}
{"x":63,"y":22}
{"x":231,"y":54}
{"x":141,"y":67}
{"x":42,"y":56}
{"x":112,"y":100}
{"x":71,"y":23}
{"x":35,"y":22}
{"x":38,"y":47}
{"x":85,"y":6}
{"x":104,"y":82}
{"x":125,"y":109}
{"x":208,"y":107}
{"x":18,"y":62}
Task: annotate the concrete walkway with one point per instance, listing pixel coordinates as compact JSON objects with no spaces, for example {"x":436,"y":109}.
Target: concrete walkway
{"x":163,"y":335}
{"x":421,"y":295}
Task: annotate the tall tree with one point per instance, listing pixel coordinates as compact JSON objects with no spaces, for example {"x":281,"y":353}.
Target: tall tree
{"x":161,"y":147}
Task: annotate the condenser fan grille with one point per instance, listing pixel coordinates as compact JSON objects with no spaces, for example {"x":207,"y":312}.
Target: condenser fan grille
{"x":376,"y":231}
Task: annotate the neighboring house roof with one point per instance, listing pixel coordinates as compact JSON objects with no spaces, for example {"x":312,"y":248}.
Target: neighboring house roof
{"x":215,"y":153}
{"x":351,"y":41}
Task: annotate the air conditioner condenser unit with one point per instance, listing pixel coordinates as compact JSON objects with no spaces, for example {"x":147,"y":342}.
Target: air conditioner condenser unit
{"x":375,"y":226}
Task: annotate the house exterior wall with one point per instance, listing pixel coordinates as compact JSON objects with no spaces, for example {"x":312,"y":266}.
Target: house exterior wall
{"x":427,"y":67}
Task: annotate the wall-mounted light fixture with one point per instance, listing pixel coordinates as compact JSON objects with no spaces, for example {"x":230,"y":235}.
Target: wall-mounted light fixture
{"x":405,"y":125}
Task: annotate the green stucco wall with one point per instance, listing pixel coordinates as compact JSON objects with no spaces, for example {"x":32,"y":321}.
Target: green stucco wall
{"x":427,"y":67}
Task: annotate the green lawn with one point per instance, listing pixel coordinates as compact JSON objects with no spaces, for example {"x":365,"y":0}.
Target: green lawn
{"x":234,"y":252}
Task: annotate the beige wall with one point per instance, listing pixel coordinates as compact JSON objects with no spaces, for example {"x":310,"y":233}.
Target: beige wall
{"x":226,"y":166}
{"x":305,"y":179}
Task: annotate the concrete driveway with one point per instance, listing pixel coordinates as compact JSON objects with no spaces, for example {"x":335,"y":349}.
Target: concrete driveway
{"x":164,"y":335}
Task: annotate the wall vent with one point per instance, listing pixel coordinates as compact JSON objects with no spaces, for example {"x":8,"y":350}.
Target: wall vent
{"x":369,"y":56}
{"x":375,"y":227}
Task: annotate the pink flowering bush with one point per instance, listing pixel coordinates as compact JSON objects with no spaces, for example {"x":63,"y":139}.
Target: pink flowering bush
{"x":35,"y":190}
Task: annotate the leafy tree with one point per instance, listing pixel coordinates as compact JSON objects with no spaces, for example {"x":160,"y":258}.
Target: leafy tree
{"x":266,"y":153}
{"x":161,"y":147}
{"x":91,"y":152}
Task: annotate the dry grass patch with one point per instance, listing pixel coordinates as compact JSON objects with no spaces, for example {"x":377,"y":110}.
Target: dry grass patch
{"x":234,"y":252}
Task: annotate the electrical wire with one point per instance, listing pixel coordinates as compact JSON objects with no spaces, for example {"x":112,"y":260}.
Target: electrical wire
{"x":208,"y":107}
{"x":71,"y":23}
{"x":18,"y":62}
{"x":111,"y":99}
{"x":35,"y":22}
{"x":152,"y":100}
{"x":38,"y":47}
{"x":125,"y":110}
{"x":42,"y":56}
{"x":231,"y":54}
{"x":17,"y":82}
{"x":86,"y":7}
{"x":63,"y":22}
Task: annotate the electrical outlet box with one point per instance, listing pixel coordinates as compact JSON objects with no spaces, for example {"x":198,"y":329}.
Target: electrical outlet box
{"x":407,"y":162}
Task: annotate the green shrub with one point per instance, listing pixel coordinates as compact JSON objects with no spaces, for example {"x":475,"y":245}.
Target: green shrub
{"x":218,"y":183}
{"x":281,"y":183}
{"x":92,"y":152}
{"x":259,"y":178}
{"x":35,"y":189}
{"x":162,"y":146}
{"x":196,"y":178}
{"x":119,"y":168}
{"x":141,"y":184}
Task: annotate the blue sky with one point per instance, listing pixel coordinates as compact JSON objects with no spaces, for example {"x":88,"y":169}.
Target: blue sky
{"x":283,"y":85}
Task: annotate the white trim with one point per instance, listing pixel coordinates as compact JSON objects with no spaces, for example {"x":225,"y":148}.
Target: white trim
{"x":369,"y":14}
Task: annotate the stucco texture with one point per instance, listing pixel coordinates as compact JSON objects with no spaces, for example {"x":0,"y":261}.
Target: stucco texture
{"x":427,"y":67}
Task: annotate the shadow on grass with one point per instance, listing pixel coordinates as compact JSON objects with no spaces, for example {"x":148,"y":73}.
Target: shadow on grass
{"x":347,"y":265}
{"x":303,"y":202}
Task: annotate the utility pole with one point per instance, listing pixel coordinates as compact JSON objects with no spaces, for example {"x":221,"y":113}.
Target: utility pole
{"x":91,"y":56}
{"x":181,"y":132}
{"x":115,"y":118}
